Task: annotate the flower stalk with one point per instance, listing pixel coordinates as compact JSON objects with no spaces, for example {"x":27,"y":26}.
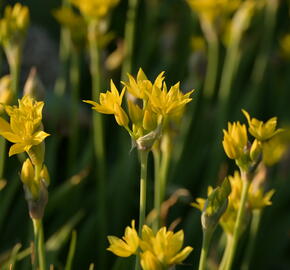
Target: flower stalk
{"x":239,"y":220}
{"x":39,"y":249}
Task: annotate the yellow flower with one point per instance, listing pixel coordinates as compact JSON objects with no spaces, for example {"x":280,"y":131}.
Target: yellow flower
{"x":141,"y":87}
{"x":170,"y":102}
{"x":235,"y":140}
{"x":149,"y":261}
{"x":260,"y":130}
{"x":110,"y":103}
{"x":13,"y":27}
{"x":128,"y":245}
{"x":165,"y":246}
{"x":6,"y":94}
{"x":213,"y":9}
{"x":95,"y":8}
{"x":285,"y":46}
{"x":25,"y":127}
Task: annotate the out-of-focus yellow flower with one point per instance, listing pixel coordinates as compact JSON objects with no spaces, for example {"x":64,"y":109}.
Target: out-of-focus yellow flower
{"x":110,"y":103}
{"x":14,"y":24}
{"x":285,"y":46}
{"x":165,"y":246}
{"x":126,"y":246}
{"x":95,"y":8}
{"x":260,"y":130}
{"x":6,"y":94}
{"x":235,"y":140}
{"x":212,"y":9}
{"x":25,"y":127}
{"x":198,"y":43}
{"x":74,"y":22}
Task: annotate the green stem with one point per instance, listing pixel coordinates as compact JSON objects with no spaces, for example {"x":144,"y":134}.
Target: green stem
{"x":143,"y":155}
{"x":14,"y":64}
{"x":157,"y":206}
{"x":255,"y":223}
{"x":226,"y":252}
{"x":213,"y":57}
{"x":75,"y":89}
{"x":129,"y":38}
{"x":239,"y":221}
{"x":99,"y":147}
{"x":207,"y":235}
{"x":2,"y":156}
{"x":39,"y":244}
{"x":165,"y":161}
{"x":64,"y":55}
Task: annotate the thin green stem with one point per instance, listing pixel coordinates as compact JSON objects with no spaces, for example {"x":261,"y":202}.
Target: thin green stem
{"x":213,"y":58}
{"x":129,"y":38}
{"x":239,"y":221}
{"x":226,"y":252}
{"x":157,"y":205}
{"x":14,"y":60}
{"x":99,"y":144}
{"x":255,"y":223}
{"x":143,"y":155}
{"x":207,"y":235}
{"x":39,"y":244}
{"x":2,"y":156}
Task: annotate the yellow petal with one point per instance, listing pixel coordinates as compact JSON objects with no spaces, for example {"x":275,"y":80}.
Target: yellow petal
{"x":181,"y":256}
{"x":17,"y":149}
{"x":39,"y":136}
{"x":4,"y":126}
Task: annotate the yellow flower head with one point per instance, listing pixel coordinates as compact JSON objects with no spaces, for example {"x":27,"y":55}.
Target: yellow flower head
{"x":212,"y":9}
{"x":25,"y":127}
{"x":110,"y":103}
{"x":14,"y":24}
{"x":141,"y":87}
{"x":168,"y":103}
{"x":95,"y":9}
{"x":260,"y":130}
{"x":165,"y":246}
{"x":235,"y":140}
{"x":126,"y":246}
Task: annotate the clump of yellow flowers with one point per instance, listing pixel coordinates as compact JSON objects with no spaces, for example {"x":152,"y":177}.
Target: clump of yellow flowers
{"x":148,"y":112}
{"x":25,"y":131}
{"x":157,"y":251}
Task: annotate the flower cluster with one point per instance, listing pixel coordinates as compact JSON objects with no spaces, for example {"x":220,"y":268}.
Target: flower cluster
{"x":157,"y":251}
{"x":152,"y":105}
{"x":257,"y":199}
{"x":238,"y":147}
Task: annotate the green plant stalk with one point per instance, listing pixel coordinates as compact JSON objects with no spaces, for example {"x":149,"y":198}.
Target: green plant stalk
{"x":157,"y":206}
{"x":207,"y":235}
{"x":72,"y":249}
{"x":213,"y":58}
{"x":143,"y":155}
{"x":239,"y":220}
{"x":2,"y":156}
{"x":266,"y":44}
{"x":39,"y":244}
{"x":14,"y":58}
{"x":64,"y":55}
{"x":255,"y":223}
{"x":75,"y":89}
{"x":129,"y":38}
{"x":99,"y":143}
{"x":226,"y":252}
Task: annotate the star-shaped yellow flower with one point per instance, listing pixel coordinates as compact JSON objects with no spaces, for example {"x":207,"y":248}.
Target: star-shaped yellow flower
{"x":25,"y":127}
{"x":128,"y":245}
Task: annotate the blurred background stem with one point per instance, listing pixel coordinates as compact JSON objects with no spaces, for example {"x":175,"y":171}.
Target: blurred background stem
{"x":99,"y":143}
{"x":255,"y":223}
{"x":226,"y":252}
{"x":75,"y":93}
{"x":212,"y":57}
{"x":129,"y":38}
